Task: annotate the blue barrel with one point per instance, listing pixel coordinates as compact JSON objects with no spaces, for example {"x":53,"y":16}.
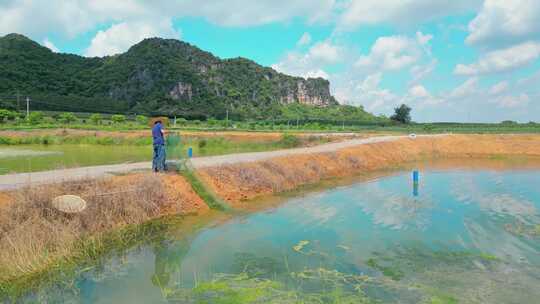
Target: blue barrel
{"x":190,"y":152}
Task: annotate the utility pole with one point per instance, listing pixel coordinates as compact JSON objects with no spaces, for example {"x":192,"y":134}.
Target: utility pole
{"x":27,"y":107}
{"x":18,"y":107}
{"x":227,"y":116}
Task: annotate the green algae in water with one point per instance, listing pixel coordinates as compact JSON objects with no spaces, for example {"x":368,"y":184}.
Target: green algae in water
{"x":369,"y":242}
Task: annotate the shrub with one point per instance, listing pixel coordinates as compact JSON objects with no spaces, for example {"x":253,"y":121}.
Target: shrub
{"x":118,"y":118}
{"x":67,"y":118}
{"x":141,"y":119}
{"x":35,"y":117}
{"x":6,"y":115}
{"x":290,"y":141}
{"x":181,"y":121}
{"x":96,"y":118}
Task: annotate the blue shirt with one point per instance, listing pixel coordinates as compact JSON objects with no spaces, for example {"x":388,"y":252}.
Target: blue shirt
{"x":157,"y":135}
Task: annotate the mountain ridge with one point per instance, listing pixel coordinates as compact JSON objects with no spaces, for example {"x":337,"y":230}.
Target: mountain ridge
{"x":156,"y":75}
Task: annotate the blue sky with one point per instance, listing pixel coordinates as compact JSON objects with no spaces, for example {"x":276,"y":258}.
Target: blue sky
{"x":458,"y":60}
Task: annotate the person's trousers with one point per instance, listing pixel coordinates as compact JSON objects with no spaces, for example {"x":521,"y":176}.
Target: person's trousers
{"x":158,"y":161}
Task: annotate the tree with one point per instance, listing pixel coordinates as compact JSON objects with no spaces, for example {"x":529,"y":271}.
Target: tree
{"x":402,"y":114}
{"x":67,"y":118}
{"x":141,"y":119}
{"x":35,"y":117}
{"x":117,"y":118}
{"x":96,"y":118}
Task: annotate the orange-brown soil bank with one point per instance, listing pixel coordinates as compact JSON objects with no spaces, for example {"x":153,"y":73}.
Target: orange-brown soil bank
{"x":240,"y":182}
{"x":34,"y":237}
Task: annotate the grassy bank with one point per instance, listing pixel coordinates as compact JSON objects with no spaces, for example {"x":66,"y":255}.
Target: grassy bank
{"x":37,"y":241}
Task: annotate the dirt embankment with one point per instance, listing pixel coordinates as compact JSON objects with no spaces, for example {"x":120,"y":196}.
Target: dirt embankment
{"x":239,"y":182}
{"x":176,"y":194}
{"x":34,"y":236}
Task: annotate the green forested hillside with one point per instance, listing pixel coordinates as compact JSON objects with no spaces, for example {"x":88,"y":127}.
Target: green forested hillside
{"x":159,"y":76}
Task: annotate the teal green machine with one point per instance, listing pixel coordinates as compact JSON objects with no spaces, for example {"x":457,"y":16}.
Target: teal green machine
{"x":176,"y":159}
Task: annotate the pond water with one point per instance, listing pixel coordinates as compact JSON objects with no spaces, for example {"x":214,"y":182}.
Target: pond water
{"x":463,"y":236}
{"x":30,"y":158}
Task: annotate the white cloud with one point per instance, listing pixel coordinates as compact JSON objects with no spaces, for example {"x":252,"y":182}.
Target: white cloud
{"x":499,"y":88}
{"x":419,"y":72}
{"x":316,"y":74}
{"x":325,"y":52}
{"x":405,"y":12}
{"x":502,"y":60}
{"x":503,"y":22}
{"x":34,"y":18}
{"x":512,"y":101}
{"x":422,"y":38}
{"x":313,"y":62}
{"x":304,"y":40}
{"x":466,"y":89}
{"x":374,"y":98}
{"x":419,"y":97}
{"x":119,"y":37}
{"x":246,"y":13}
{"x":70,"y":18}
{"x":48,"y":44}
{"x":419,"y":91}
{"x":390,"y":53}
{"x":530,"y":81}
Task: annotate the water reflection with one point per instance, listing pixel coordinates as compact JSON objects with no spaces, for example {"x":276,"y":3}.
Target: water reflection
{"x":392,"y":246}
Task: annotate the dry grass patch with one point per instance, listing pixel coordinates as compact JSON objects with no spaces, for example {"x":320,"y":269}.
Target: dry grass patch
{"x":34,"y":236}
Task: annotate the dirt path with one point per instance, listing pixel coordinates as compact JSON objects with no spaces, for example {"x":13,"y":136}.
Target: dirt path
{"x":18,"y":180}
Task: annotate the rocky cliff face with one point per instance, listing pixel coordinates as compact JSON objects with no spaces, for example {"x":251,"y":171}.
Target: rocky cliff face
{"x":237,"y":80}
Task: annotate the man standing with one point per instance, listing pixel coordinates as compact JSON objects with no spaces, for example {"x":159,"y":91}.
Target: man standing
{"x":158,"y":161}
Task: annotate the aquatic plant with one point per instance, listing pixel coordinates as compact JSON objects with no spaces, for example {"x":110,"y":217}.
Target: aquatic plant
{"x":523,"y":230}
{"x":257,"y":267}
{"x":241,"y":288}
{"x":393,"y":272}
{"x":300,"y":245}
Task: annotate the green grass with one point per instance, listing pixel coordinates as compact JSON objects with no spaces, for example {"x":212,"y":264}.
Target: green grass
{"x":198,"y":186}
